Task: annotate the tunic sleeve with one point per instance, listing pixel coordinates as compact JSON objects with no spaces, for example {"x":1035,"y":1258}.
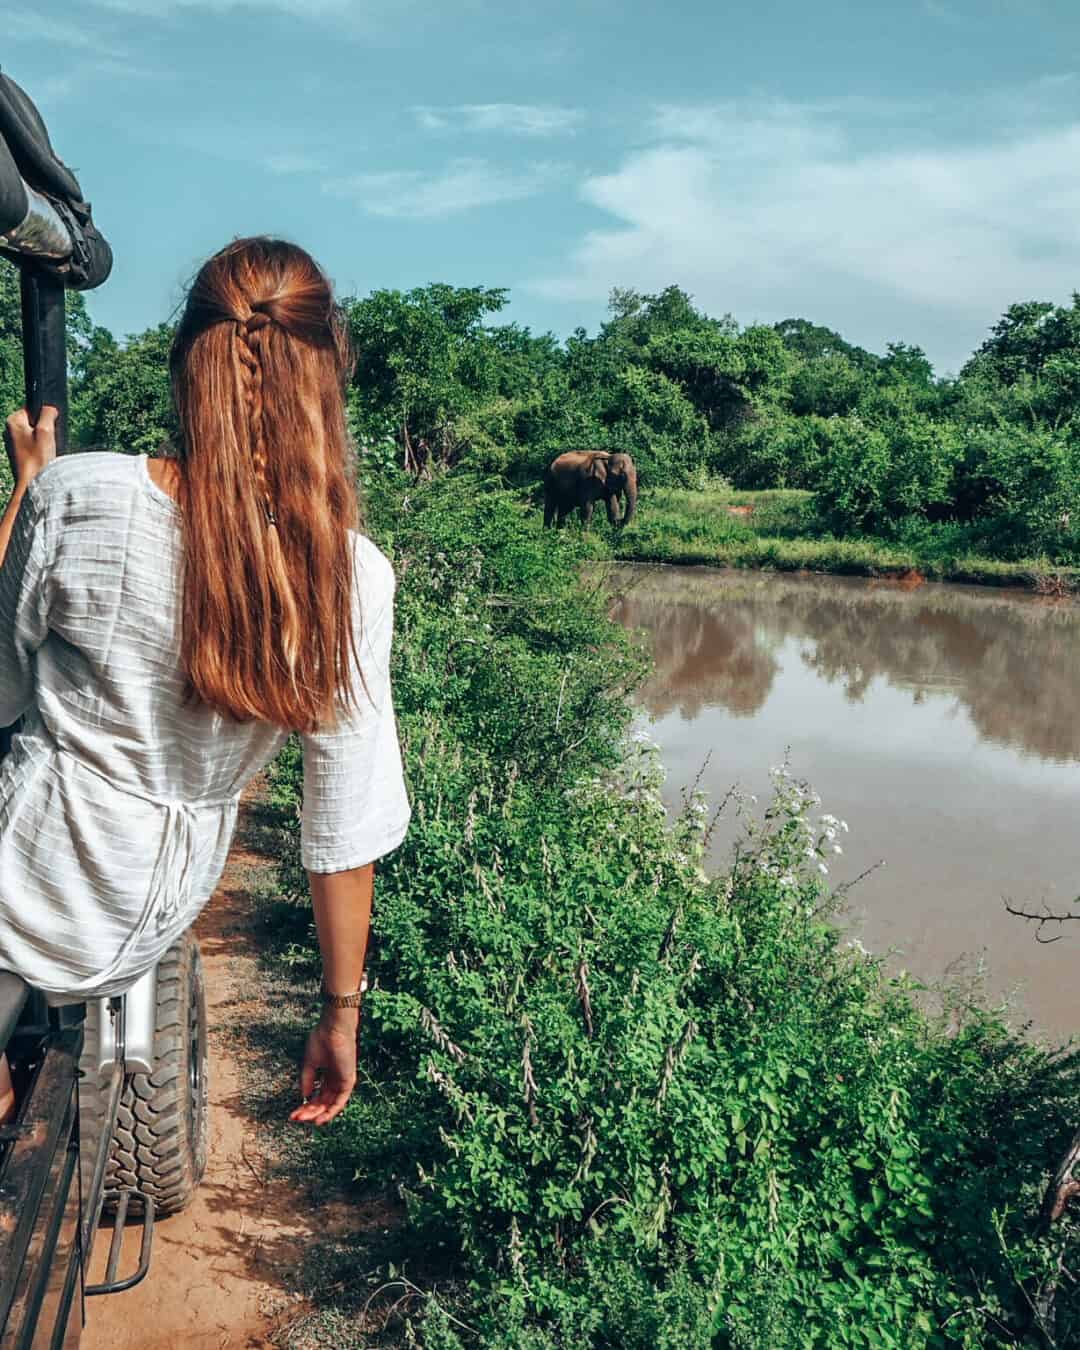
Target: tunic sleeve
{"x":24,"y":608}
{"x":355,"y":804}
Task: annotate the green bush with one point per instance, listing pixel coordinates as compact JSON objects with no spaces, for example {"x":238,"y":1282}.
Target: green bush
{"x":782,"y":452}
{"x":1026,"y":484}
{"x":923,"y":455}
{"x":854,"y":478}
{"x":628,"y":1104}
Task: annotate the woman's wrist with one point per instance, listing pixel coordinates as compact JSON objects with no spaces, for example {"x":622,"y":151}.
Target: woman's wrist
{"x":27,"y":472}
{"x":351,"y":997}
{"x":344,"y":1020}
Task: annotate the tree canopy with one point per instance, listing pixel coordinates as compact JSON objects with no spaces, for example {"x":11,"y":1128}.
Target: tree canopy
{"x":441,"y":383}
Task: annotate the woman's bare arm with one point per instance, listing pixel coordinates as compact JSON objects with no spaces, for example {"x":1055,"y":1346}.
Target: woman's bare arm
{"x":342,"y":905}
{"x":29,"y":449}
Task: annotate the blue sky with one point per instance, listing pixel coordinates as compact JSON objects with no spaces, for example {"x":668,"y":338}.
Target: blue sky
{"x":897,"y":170}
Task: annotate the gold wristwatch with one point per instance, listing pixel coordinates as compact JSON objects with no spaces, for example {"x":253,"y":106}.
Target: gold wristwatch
{"x":344,"y":1000}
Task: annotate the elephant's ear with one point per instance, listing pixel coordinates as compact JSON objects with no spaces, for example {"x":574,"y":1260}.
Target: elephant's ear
{"x":599,"y":468}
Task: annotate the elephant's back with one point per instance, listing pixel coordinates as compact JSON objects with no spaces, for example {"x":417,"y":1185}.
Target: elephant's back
{"x":575,"y":459}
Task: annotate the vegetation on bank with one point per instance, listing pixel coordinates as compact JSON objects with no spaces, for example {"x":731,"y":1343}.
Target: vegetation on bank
{"x":627,"y":1104}
{"x":900,"y":466}
{"x":778,"y":529}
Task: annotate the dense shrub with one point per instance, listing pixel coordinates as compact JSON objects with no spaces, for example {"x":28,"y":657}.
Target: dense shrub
{"x":922,"y":464}
{"x":779,"y":451}
{"x":853,"y":480}
{"x":1026,"y":482}
{"x":630,"y":1105}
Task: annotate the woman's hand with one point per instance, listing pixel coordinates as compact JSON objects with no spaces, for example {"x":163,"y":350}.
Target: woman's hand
{"x":330,"y":1058}
{"x":30,"y":448}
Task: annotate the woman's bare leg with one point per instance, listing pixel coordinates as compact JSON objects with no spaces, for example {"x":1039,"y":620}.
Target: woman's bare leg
{"x":7,"y":1092}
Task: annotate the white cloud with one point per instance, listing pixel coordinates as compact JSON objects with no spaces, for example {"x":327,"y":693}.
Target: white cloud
{"x":27,"y":25}
{"x":943,"y":13}
{"x":462,"y":185}
{"x":157,"y":9}
{"x":514,"y":119}
{"x":55,"y":89}
{"x":750,"y":131}
{"x":290,"y":162}
{"x":770,"y":211}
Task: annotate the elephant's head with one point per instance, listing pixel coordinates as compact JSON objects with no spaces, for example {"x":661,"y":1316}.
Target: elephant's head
{"x":622,"y":478}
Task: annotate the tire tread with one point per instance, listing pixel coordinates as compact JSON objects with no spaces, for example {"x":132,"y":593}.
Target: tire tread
{"x":150,"y":1147}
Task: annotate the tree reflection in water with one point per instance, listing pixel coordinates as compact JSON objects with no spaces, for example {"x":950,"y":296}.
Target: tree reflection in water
{"x":1008,"y":658}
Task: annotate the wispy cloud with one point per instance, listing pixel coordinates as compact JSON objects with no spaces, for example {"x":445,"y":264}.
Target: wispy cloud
{"x":773,"y":211}
{"x":28,"y":25}
{"x":463,"y":185}
{"x":293,"y":162}
{"x":159,"y":9}
{"x":513,"y":119}
{"x":750,"y":130}
{"x":943,"y":13}
{"x":85,"y":57}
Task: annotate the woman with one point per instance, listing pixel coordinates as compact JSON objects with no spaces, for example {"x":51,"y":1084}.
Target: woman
{"x":164,"y":624}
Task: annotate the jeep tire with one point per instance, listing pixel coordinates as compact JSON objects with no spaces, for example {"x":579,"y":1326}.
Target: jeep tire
{"x":159,"y":1144}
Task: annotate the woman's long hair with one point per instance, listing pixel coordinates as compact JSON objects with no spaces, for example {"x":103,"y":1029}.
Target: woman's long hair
{"x":258,"y":366}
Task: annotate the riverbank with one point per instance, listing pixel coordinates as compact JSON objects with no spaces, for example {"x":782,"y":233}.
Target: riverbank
{"x":618,"y":1100}
{"x":776,"y":530}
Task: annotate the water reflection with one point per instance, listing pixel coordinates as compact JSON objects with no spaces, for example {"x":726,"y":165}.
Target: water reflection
{"x":1011,"y":660}
{"x":942,"y":722}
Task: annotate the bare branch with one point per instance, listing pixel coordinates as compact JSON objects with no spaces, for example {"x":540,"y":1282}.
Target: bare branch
{"x":1041,"y":919}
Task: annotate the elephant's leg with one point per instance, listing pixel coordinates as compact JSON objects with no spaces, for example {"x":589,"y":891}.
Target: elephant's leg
{"x":564,"y":511}
{"x":586,"y":511}
{"x":549,"y":509}
{"x":612,"y":509}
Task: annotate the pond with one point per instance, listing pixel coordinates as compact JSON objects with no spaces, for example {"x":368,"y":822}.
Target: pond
{"x":941,"y":722}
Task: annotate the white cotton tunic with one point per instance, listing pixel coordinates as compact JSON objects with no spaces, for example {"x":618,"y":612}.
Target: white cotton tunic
{"x":118,"y":801}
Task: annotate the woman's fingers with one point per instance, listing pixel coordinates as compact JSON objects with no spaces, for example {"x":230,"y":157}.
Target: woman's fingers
{"x":46,"y":423}
{"x":327,"y":1076}
{"x":323,"y":1107}
{"x":307,"y":1078}
{"x":31,"y":447}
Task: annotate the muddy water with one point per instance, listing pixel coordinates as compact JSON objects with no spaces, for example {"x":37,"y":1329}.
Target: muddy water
{"x":941,"y":722}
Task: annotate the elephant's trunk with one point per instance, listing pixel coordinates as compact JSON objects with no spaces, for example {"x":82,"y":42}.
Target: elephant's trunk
{"x":630,"y":493}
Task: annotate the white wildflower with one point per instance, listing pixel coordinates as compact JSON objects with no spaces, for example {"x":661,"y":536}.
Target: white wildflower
{"x":823,"y":869}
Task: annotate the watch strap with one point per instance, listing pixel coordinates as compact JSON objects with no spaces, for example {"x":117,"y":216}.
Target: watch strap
{"x":344,"y":1000}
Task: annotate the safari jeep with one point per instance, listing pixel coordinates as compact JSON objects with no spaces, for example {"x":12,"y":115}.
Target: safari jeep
{"x":111,"y":1124}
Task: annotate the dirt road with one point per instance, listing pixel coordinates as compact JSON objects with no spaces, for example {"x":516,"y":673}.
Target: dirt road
{"x":219,"y":1277}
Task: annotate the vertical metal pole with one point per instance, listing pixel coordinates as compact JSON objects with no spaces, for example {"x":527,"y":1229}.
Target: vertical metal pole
{"x":45,"y":348}
{"x":44,"y":366}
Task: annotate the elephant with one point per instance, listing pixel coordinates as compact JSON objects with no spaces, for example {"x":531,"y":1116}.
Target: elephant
{"x":581,"y":477}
